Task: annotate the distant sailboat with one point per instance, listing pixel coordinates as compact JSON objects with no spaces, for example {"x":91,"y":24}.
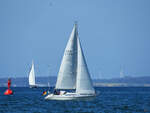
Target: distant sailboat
{"x":73,"y":73}
{"x":32,"y":77}
{"x":122,"y":73}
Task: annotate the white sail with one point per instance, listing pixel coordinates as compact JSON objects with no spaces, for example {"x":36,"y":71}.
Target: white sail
{"x":67,"y":72}
{"x":84,"y":83}
{"x":32,"y":75}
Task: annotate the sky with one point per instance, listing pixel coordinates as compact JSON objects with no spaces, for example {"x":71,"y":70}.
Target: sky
{"x":114,"y":34}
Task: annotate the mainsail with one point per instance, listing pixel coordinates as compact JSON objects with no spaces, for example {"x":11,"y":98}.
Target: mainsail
{"x":32,"y":75}
{"x":84,"y":83}
{"x":67,"y":73}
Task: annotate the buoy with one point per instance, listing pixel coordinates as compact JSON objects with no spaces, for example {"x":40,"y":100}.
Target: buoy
{"x":8,"y":91}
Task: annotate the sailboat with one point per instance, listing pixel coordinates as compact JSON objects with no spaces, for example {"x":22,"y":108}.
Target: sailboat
{"x":73,"y":73}
{"x":122,"y":73}
{"x":32,"y":77}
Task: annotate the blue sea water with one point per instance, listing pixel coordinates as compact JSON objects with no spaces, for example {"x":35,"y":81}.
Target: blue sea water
{"x":110,"y":100}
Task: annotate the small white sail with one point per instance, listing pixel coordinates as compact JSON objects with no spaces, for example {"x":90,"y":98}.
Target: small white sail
{"x":32,"y":76}
{"x":84,"y":82}
{"x":67,"y":72}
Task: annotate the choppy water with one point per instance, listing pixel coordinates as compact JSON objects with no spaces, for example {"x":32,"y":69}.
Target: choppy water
{"x":110,"y":100}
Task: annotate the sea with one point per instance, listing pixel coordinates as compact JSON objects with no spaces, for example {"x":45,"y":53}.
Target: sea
{"x":108,"y":100}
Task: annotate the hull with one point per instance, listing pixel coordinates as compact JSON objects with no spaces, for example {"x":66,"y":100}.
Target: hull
{"x":71,"y":96}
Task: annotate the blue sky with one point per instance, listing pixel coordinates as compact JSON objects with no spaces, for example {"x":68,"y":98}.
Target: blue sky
{"x":113,"y":33}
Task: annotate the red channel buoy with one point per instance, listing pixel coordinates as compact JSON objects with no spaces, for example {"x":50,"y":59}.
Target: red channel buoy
{"x":8,"y":91}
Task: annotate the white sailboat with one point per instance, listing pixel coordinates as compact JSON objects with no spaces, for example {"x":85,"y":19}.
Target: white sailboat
{"x":122,"y":73}
{"x":73,"y":73}
{"x":32,"y":77}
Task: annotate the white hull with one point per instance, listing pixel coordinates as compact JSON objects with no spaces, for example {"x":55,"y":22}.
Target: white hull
{"x":69,"y":96}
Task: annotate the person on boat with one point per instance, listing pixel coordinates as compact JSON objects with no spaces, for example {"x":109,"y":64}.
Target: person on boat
{"x":56,"y":92}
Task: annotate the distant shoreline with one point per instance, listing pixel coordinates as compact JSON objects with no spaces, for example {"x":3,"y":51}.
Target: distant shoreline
{"x":114,"y":82}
